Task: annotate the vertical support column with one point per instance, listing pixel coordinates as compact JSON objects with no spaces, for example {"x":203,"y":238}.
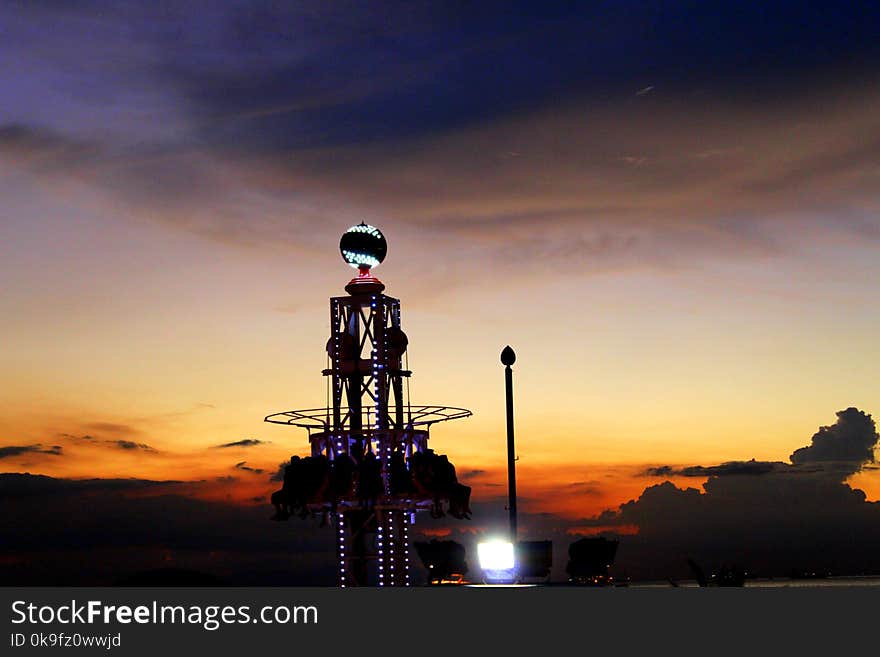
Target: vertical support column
{"x":392,"y":541}
{"x":335,"y":346}
{"x":397,"y":379}
{"x":405,"y":522}
{"x":380,"y":386}
{"x":356,"y":378}
{"x":397,"y":383}
{"x":380,"y":366}
{"x":381,"y":546}
{"x":369,"y":316}
{"x":393,"y":547}
{"x":342,"y":554}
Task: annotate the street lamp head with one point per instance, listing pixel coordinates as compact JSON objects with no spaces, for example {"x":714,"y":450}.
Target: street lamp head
{"x":508,"y":357}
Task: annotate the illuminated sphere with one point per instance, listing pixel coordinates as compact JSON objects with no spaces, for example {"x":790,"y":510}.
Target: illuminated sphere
{"x":363,"y":246}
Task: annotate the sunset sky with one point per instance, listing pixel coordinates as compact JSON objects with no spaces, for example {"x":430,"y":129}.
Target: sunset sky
{"x":670,"y":211}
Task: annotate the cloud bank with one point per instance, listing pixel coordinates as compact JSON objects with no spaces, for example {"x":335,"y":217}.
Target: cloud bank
{"x":769,"y":517}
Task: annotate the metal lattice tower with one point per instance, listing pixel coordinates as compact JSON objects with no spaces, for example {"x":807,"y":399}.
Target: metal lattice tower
{"x":370,"y":424}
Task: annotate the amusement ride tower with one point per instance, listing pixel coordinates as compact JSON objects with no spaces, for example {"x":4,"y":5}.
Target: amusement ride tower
{"x":370,"y":468}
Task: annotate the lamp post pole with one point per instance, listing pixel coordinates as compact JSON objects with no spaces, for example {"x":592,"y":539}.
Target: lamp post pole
{"x":508,"y":358}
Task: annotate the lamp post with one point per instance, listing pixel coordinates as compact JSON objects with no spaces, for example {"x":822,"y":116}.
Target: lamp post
{"x":508,"y":358}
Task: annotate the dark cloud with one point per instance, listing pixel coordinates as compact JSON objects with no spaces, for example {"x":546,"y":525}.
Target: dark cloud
{"x":592,"y":488}
{"x":18,"y":450}
{"x":769,"y":517}
{"x":133,"y":525}
{"x":130,"y":445}
{"x":847,"y":444}
{"x":118,"y":443}
{"x":752,"y":467}
{"x":332,"y":76}
{"x":246,"y":442}
{"x":316,"y":110}
{"x":17,"y":485}
{"x":471,"y":474}
{"x":244,"y":466}
{"x":838,"y":450}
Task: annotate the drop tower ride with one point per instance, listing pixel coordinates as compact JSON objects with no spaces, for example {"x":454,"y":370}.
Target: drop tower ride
{"x":370,"y":469}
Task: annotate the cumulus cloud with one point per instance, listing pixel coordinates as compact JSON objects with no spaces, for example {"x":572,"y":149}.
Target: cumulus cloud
{"x":847,"y":444}
{"x":11,"y":451}
{"x":839,"y":450}
{"x":770,"y":517}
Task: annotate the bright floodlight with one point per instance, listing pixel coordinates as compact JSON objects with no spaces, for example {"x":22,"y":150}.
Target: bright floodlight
{"x":496,"y":555}
{"x":363,"y":246}
{"x":497,"y":561}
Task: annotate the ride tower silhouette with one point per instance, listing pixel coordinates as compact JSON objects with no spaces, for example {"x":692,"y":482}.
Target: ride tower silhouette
{"x":370,"y":468}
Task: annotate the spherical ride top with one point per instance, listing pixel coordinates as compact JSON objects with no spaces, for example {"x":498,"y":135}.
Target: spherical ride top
{"x":363,"y":246}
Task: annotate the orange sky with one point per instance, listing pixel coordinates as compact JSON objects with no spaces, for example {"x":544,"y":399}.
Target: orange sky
{"x":687,"y":270}
{"x":615,"y":371}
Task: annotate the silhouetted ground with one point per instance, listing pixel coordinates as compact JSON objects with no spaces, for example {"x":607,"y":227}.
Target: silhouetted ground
{"x":172,"y":577}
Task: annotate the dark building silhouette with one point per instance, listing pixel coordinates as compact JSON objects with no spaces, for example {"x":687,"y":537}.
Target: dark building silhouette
{"x":590,"y":559}
{"x":445,"y":561}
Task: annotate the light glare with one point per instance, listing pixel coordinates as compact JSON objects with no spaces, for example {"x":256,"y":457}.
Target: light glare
{"x":496,"y":555}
